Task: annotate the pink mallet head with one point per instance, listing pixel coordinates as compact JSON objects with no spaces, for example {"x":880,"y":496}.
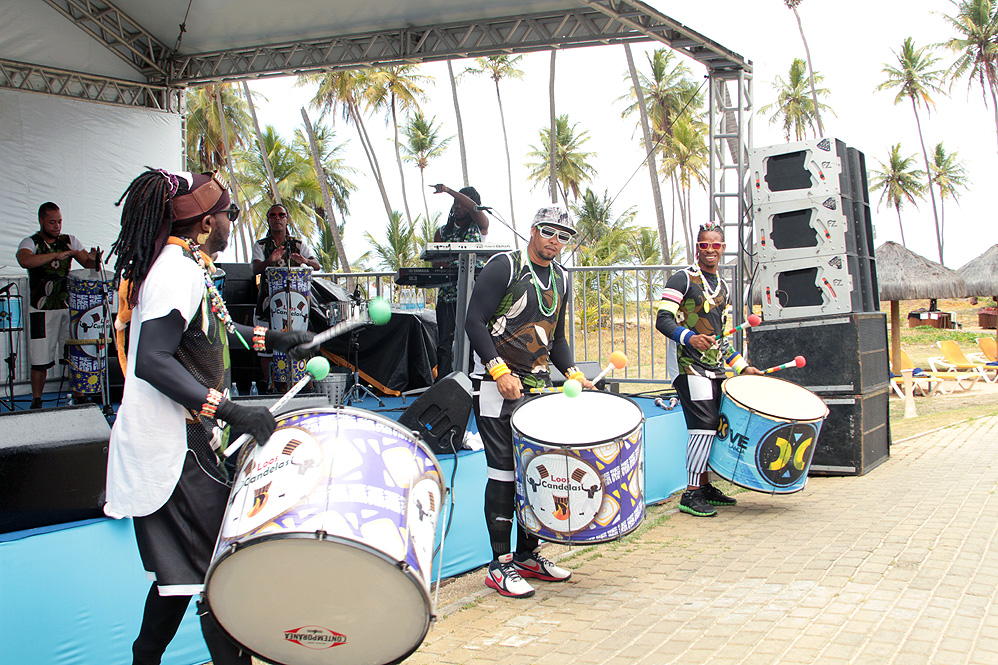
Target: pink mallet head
{"x":800,"y":361}
{"x":754,"y":320}
{"x":618,"y":360}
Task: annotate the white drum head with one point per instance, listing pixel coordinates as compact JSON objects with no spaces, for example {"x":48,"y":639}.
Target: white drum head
{"x":775,"y":397}
{"x":591,"y":418}
{"x":318,"y":603}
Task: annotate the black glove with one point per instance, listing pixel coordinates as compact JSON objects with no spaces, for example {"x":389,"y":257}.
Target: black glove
{"x":287,"y":342}
{"x":256,"y":421}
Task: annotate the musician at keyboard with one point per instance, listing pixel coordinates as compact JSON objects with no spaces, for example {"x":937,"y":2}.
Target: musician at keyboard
{"x":465,"y":223}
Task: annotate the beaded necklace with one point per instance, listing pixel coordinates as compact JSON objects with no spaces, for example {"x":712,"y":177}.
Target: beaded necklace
{"x":709,"y":295}
{"x":537,"y":287}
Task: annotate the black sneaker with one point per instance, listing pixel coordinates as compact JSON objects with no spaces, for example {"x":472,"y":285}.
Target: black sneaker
{"x":694,"y":503}
{"x":36,"y":403}
{"x":716,"y":497}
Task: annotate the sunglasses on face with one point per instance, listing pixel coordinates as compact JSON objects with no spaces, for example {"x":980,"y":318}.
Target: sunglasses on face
{"x":710,"y":245}
{"x":276,"y":215}
{"x":548,"y":232}
{"x":232,"y":211}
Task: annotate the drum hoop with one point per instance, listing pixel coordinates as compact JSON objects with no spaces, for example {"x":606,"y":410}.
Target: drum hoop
{"x":337,"y":540}
{"x":588,"y":444}
{"x":771,"y":416}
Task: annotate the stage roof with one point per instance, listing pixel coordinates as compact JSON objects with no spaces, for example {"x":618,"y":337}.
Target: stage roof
{"x":128,"y":52}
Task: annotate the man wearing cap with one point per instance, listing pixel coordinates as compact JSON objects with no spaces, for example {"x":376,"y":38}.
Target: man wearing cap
{"x":465,"y":223}
{"x":47,"y":256}
{"x":516,"y":325}
{"x":164,"y":468}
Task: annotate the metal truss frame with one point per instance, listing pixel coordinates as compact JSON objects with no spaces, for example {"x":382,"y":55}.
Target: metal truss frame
{"x":730,"y":120}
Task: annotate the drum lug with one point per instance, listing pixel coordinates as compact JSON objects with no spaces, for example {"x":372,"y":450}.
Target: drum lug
{"x":321,"y":535}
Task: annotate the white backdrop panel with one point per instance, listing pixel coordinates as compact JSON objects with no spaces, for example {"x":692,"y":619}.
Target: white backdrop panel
{"x":81,"y":155}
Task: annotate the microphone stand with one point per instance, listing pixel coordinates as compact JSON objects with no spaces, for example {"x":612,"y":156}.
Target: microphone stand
{"x":7,"y":324}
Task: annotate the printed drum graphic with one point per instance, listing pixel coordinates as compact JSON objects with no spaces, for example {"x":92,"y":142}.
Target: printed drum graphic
{"x":87,"y":324}
{"x":579,"y":466}
{"x":767,"y":434}
{"x":326,"y":547}
{"x":289,"y":309}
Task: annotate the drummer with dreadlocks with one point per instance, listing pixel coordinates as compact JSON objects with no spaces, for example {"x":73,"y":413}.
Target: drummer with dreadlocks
{"x":164,"y":467}
{"x":692,"y":314}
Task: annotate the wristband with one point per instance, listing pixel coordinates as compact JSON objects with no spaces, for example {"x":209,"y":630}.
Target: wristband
{"x":259,"y":339}
{"x":574,"y":372}
{"x":497,"y":367}
{"x":211,"y":402}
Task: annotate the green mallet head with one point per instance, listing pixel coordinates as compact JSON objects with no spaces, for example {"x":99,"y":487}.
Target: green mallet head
{"x":572,"y":388}
{"x":317,"y":367}
{"x":379,"y":310}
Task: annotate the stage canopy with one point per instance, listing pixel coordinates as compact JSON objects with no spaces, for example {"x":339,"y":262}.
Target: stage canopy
{"x":134,"y":53}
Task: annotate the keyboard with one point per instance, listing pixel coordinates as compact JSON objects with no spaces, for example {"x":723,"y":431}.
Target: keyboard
{"x":438,"y":251}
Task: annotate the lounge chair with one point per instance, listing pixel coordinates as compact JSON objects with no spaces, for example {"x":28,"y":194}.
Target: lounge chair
{"x":989,"y":350}
{"x":931,"y":383}
{"x":953,"y":359}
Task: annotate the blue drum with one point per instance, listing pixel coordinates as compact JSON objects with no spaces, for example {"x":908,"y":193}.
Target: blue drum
{"x":218,"y":277}
{"x":767,"y":434}
{"x":289,"y":310}
{"x":10,"y":313}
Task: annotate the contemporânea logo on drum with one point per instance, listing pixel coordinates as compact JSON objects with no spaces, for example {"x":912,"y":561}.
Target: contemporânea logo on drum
{"x":315,"y":637}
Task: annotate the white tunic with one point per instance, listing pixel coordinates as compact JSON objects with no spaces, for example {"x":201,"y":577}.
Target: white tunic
{"x":149,"y":437}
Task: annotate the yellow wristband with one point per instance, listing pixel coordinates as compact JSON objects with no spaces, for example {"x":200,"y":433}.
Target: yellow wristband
{"x":575,"y":373}
{"x":499,"y":370}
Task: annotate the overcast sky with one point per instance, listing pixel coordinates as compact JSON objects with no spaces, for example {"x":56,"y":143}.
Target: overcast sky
{"x":850,"y":42}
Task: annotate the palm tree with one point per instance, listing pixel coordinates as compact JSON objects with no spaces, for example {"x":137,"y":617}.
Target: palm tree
{"x":399,"y":249}
{"x":948,"y":174}
{"x":901,"y":183}
{"x":976,"y":23}
{"x":794,"y":107}
{"x":915,"y":79}
{"x":571,"y":168}
{"x":423,"y":143}
{"x":394,"y":89}
{"x":291,"y":174}
{"x":204,"y":145}
{"x":792,"y":4}
{"x":460,"y":125}
{"x":603,"y":240}
{"x":343,"y":89}
{"x":686,"y":161}
{"x":499,"y":67}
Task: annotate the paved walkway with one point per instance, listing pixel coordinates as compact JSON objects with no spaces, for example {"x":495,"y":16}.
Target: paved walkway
{"x":897,"y":567}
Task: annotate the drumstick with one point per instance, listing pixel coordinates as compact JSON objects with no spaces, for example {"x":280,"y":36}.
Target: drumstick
{"x":799,"y":361}
{"x":617,"y":360}
{"x":572,"y":388}
{"x":751,"y":321}
{"x":316,"y":368}
{"x":377,"y":312}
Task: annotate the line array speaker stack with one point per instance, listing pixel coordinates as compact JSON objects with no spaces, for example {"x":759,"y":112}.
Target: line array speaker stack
{"x":817,"y":280}
{"x":815,"y":233}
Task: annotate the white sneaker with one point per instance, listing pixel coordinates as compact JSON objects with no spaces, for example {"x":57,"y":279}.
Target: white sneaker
{"x":504,"y":578}
{"x":532,"y":564}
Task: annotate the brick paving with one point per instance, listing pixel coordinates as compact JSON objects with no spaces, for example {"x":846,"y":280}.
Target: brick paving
{"x":897,"y":567}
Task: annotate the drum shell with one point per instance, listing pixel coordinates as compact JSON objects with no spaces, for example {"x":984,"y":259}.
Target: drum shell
{"x":89,"y":313}
{"x":289,"y":290}
{"x":760,"y":451}
{"x":10,"y":313}
{"x":590,"y":492}
{"x":345,"y":490}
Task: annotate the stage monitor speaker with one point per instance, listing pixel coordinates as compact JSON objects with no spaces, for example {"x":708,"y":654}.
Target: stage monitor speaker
{"x":855,"y":437}
{"x":806,"y":229}
{"x":297,"y":402}
{"x":440,"y":415}
{"x":53,"y":466}
{"x":813,"y":169}
{"x":845,"y":354}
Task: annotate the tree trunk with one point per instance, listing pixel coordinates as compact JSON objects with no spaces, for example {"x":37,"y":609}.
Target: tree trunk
{"x":901,"y":226}
{"x":509,"y":168}
{"x":656,"y":191}
{"x":460,"y":125}
{"x":994,"y":104}
{"x":928,"y":175}
{"x":327,"y":200}
{"x":232,"y":172}
{"x":398,"y":158}
{"x":680,"y":196}
{"x":810,"y":72}
{"x":553,"y":138}
{"x":276,"y":196}
{"x":423,"y":188}
{"x":372,"y":158}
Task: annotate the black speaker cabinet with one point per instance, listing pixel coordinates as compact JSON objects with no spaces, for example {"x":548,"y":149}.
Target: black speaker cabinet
{"x":855,"y":437}
{"x":440,"y":415}
{"x":845,"y":354}
{"x":53,"y":466}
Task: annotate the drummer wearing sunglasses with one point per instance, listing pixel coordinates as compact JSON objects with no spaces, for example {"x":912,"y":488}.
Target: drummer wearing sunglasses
{"x":692,"y":314}
{"x":516,"y":326}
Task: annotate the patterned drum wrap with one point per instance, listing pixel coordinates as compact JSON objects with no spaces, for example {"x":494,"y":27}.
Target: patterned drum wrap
{"x":289,"y":308}
{"x":767,"y":434}
{"x":87,"y":295}
{"x":332,"y":518}
{"x":579,"y":467}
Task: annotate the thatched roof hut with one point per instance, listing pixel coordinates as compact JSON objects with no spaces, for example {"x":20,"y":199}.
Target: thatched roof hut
{"x":981,"y":274}
{"x":905,"y":275}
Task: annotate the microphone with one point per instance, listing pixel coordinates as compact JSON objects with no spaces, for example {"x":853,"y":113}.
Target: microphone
{"x":483,"y":207}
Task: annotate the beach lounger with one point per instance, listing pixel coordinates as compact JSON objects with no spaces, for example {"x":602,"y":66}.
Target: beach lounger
{"x":989,"y":349}
{"x":954,"y":359}
{"x":931,"y":382}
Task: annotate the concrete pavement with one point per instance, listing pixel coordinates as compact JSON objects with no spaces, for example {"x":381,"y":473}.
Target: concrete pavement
{"x":898,"y":567}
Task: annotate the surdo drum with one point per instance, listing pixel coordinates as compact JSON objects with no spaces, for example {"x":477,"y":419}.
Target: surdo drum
{"x":767,"y":433}
{"x":579,"y":466}
{"x":88,"y":321}
{"x":289,"y":309}
{"x":327,"y":543}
